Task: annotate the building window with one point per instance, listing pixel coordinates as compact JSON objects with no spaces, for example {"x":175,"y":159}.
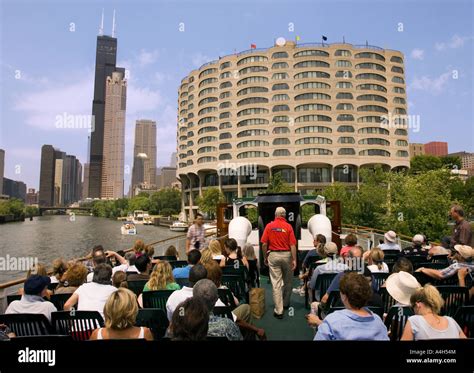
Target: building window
{"x":372,"y":130}
{"x":310,"y":85}
{"x":397,"y":79}
{"x":224,"y":115}
{"x":401,"y":132}
{"x":311,"y":129}
{"x":376,"y":108}
{"x":225,"y":125}
{"x":346,"y":74}
{"x":206,"y":139}
{"x":207,"y":129}
{"x":207,"y":149}
{"x":253,"y":132}
{"x":206,"y":159}
{"x":346,"y":151}
{"x":252,"y":143}
{"x":207,"y":120}
{"x":281,"y":119}
{"x":399,"y":110}
{"x":280,"y":76}
{"x":370,"y":65}
{"x":225,"y":105}
{"x":343,"y":63}
{"x":277,"y":108}
{"x":313,"y":140}
{"x":374,"y":152}
{"x":225,"y":146}
{"x":252,"y":69}
{"x":399,"y":100}
{"x":345,"y":129}
{"x":207,"y":100}
{"x":398,"y":70}
{"x":281,"y":153}
{"x":280,"y":55}
{"x":253,"y":154}
{"x":345,"y":118}
{"x":396,"y":59}
{"x":207,"y":81}
{"x":402,"y":143}
{"x":224,"y":95}
{"x":370,"y":55}
{"x":252,"y":111}
{"x":252,"y":79}
{"x":345,"y":106}
{"x":225,"y":85}
{"x":313,"y":151}
{"x":311,"y":74}
{"x":374,"y":141}
{"x":306,"y":64}
{"x":251,"y":90}
{"x":373,"y":87}
{"x":344,"y":96}
{"x":252,"y":100}
{"x":371,"y":98}
{"x":281,"y":140}
{"x":281,"y":130}
{"x":251,"y":122}
{"x":346,"y":140}
{"x":280,"y":97}
{"x":342,"y":53}
{"x":344,"y":85}
{"x":224,"y":156}
{"x":402,"y":153}
{"x":371,"y":76}
{"x":312,"y":96}
{"x":279,"y":86}
{"x":313,"y":118}
{"x":225,"y":75}
{"x":319,"y":107}
{"x":252,"y":59}
{"x":207,"y":110}
{"x":207,"y":91}
{"x":280,"y":65}
{"x":311,"y":52}
{"x":225,"y":65}
{"x":225,"y":135}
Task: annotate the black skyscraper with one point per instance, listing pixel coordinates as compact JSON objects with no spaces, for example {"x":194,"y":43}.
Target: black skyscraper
{"x":105,"y":65}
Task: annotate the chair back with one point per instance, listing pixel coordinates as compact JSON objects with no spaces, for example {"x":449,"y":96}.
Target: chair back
{"x":78,"y":324}
{"x":396,"y":320}
{"x":156,"y":299}
{"x":13,"y":297}
{"x":378,"y":279}
{"x":137,"y":286}
{"x":454,"y":298}
{"x":182,"y":282}
{"x":236,"y":284}
{"x":167,"y":258}
{"x":465,"y":318}
{"x":223,"y":312}
{"x":226,"y":296}
{"x":178,"y":263}
{"x":155,"y":319}
{"x":27,"y":324}
{"x":59,"y":300}
{"x":322,"y":282}
{"x":387,"y":300}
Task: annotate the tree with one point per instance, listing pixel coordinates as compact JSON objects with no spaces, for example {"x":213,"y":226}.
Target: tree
{"x":451,"y":162}
{"x":424,"y":163}
{"x":139,"y":203}
{"x":209,"y":200}
{"x":168,"y":199}
{"x":276,"y":184}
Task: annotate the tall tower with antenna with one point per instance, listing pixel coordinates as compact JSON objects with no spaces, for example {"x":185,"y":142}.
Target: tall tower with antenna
{"x":105,"y":66}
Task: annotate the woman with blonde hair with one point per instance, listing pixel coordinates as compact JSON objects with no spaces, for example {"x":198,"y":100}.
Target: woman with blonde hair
{"x":120,"y":314}
{"x":206,"y":256}
{"x":215,"y":248}
{"x":427,"y":322}
{"x":161,"y":278}
{"x":254,"y":276}
{"x":375,"y":260}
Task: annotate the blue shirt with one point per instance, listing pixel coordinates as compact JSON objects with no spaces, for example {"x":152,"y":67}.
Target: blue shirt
{"x":310,"y":254}
{"x":346,"y":325}
{"x":182,"y":272}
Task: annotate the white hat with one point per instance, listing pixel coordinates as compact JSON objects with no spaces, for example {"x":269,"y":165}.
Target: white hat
{"x":418,"y":238}
{"x":330,"y":248}
{"x":390,"y":236}
{"x":465,"y":251}
{"x":401,"y":286}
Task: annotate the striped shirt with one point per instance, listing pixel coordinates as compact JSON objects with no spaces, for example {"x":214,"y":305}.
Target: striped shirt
{"x":196,"y":234}
{"x":455,"y":267}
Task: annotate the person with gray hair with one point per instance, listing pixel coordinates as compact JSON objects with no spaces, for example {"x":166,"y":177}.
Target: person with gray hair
{"x":462,"y":233}
{"x":206,"y":291}
{"x":279,"y":250}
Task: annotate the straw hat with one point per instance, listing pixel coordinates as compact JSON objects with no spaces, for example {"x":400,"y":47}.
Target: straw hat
{"x":390,"y":236}
{"x":330,"y":248}
{"x":465,"y":251}
{"x":401,"y":286}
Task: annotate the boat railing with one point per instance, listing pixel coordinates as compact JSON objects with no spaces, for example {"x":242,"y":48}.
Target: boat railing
{"x":178,"y":241}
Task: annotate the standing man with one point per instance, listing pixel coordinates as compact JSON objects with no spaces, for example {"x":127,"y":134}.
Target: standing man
{"x":279,"y":250}
{"x":196,"y":237}
{"x":462,"y":234}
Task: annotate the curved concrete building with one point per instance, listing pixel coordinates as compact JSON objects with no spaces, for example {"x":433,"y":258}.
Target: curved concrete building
{"x":314,"y":112}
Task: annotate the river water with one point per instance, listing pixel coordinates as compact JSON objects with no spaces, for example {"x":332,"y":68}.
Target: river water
{"x":57,"y":236}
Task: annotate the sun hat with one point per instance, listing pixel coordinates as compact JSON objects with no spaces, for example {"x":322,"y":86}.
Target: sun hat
{"x":465,"y":251}
{"x":401,"y":286}
{"x":330,"y":248}
{"x":390,"y":236}
{"x":418,"y":238}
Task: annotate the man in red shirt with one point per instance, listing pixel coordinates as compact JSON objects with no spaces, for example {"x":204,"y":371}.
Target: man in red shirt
{"x":279,"y":250}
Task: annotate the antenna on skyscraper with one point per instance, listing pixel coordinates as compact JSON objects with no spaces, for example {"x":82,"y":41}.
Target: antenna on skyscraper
{"x":113,"y":26}
{"x":101,"y":28}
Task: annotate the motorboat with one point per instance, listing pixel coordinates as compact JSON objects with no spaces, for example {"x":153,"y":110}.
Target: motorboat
{"x":179,"y":226}
{"x":128,"y":228}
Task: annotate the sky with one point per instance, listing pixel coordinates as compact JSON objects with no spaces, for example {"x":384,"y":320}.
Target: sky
{"x":47,"y":58}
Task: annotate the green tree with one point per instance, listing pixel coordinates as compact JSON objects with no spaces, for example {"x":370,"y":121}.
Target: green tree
{"x":276,"y":184}
{"x":346,"y":195}
{"x":424,"y":163}
{"x":451,"y":162}
{"x":209,"y":200}
{"x":139,"y":202}
{"x":13,"y":207}
{"x":168,"y":199}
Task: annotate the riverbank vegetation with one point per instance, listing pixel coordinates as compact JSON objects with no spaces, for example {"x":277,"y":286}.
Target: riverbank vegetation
{"x":165,"y":202}
{"x":16,"y":208}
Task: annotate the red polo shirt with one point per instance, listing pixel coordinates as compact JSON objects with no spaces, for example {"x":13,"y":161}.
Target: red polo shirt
{"x":279,"y":235}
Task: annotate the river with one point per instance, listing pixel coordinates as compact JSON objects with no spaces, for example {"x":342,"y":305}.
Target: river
{"x":58,"y":236}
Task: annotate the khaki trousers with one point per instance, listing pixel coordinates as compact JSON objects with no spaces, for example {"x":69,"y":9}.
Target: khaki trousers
{"x":281,"y":277}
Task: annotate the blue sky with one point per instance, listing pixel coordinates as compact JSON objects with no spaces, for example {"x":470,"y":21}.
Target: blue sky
{"x":47,"y":63}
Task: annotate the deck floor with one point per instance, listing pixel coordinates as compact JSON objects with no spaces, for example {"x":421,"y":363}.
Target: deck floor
{"x":291,"y":327}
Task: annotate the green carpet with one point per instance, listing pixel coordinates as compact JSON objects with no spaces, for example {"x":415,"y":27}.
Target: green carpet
{"x":293,"y":326}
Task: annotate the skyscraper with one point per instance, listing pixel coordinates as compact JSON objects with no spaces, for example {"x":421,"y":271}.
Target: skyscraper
{"x":144,"y":153}
{"x":2,"y":169}
{"x":173,"y":160}
{"x":60,"y":178}
{"x":113,"y":156}
{"x":106,"y":58}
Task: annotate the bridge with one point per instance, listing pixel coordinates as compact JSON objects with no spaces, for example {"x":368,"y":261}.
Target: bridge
{"x":42,"y":209}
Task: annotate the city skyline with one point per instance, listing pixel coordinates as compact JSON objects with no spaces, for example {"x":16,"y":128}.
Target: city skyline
{"x":434,"y":57}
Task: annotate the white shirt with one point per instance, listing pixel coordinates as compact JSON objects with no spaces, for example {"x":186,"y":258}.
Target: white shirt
{"x":179,"y":296}
{"x":121,"y":267}
{"x":31,"y":304}
{"x":390,"y":246}
{"x":218,"y":257}
{"x":53,"y":279}
{"x":374,"y":269}
{"x":93,"y":296}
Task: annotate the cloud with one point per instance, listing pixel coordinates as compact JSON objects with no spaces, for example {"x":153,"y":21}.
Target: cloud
{"x":417,"y":54}
{"x":433,"y":85}
{"x":145,"y":57}
{"x":199,"y":59}
{"x":455,"y":42}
